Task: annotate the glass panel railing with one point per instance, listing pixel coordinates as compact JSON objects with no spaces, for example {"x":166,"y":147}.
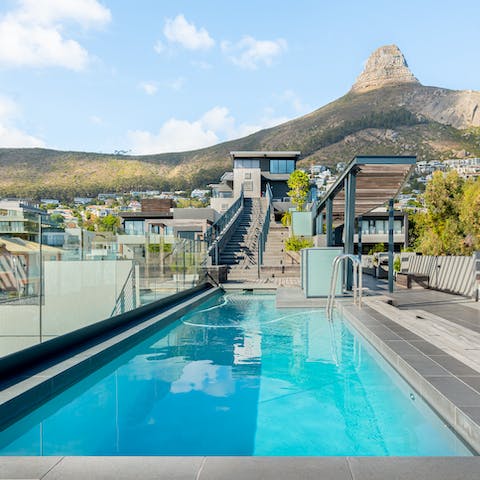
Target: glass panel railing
{"x":47,"y":291}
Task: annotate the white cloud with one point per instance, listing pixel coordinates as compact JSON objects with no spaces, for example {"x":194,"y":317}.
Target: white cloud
{"x":33,"y":35}
{"x":159,"y":47}
{"x":201,"y":64}
{"x":150,"y":88}
{"x":292,"y":98}
{"x":212,"y":127}
{"x":179,"y":31}
{"x":174,"y":136}
{"x":267,"y":120}
{"x":218,"y":119}
{"x":251,"y":53}
{"x":10,"y":136}
{"x":176,"y":84}
{"x":88,"y":13}
{"x":96,"y":120}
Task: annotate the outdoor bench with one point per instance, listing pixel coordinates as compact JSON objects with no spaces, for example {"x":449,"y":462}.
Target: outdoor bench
{"x":410,"y":280}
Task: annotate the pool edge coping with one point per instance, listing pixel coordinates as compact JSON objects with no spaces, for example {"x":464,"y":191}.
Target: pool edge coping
{"x":442,"y":403}
{"x":240,"y":467}
{"x":23,"y":396}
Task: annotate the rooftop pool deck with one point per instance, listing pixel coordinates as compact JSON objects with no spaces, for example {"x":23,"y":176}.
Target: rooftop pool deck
{"x":443,"y":369}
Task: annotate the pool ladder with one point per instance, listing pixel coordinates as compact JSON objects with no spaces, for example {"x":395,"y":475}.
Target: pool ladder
{"x":357,"y":280}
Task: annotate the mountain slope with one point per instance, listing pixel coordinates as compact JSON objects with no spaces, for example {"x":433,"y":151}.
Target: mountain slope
{"x":387,"y":111}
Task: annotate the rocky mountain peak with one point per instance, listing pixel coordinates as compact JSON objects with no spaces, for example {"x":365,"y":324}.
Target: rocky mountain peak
{"x":385,"y":66}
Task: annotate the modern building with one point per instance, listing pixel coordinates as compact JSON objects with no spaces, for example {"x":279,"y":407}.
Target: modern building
{"x":374,"y":229}
{"x":466,"y":167}
{"x":159,"y":217}
{"x":21,"y":219}
{"x":252,"y":171}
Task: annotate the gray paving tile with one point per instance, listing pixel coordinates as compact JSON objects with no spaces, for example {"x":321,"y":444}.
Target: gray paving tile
{"x":274,"y":468}
{"x":425,"y":365}
{"x":453,"y":365}
{"x":473,"y":413}
{"x":26,"y":467}
{"x":369,"y":321}
{"x":415,"y":468}
{"x":384,"y":333}
{"x":401,"y":347}
{"x":473,"y":382}
{"x":407,"y":335}
{"x":426,"y":347}
{"x":126,"y":468}
{"x":456,"y":391}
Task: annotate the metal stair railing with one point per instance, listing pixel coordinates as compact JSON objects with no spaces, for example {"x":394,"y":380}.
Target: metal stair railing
{"x":357,"y":280}
{"x":249,"y":245}
{"x":127,"y":299}
{"x":218,"y":229}
{"x":265,"y":228}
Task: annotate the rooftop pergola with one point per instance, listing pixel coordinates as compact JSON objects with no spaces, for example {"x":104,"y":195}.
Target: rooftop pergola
{"x":366,"y":183}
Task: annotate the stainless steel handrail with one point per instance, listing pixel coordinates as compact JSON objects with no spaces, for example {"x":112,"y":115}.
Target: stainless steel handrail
{"x":357,"y":280}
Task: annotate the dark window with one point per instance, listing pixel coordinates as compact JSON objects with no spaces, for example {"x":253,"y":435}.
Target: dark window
{"x":186,"y":235}
{"x":282,"y":166}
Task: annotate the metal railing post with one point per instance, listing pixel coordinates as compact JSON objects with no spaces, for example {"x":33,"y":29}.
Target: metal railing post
{"x":357,"y":281}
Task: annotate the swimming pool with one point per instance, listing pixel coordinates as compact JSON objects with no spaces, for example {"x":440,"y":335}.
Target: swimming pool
{"x":238,"y":377}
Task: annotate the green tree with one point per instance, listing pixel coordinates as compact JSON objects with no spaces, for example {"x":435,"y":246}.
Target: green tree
{"x":57,"y":218}
{"x":110,"y":223}
{"x":469,"y":215}
{"x":377,"y":248}
{"x":438,"y":227}
{"x":190,"y":202}
{"x":299,"y":184}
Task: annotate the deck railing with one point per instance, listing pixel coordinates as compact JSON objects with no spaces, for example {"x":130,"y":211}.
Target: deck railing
{"x":265,"y":227}
{"x":217,"y":231}
{"x":128,"y":299}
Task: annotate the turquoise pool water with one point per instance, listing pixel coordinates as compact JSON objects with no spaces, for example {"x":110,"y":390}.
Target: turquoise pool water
{"x":238,"y":377}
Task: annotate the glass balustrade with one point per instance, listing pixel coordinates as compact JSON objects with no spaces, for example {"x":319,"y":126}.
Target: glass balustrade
{"x":46,"y":290}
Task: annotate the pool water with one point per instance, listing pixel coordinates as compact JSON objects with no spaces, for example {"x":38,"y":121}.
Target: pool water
{"x":238,"y":377}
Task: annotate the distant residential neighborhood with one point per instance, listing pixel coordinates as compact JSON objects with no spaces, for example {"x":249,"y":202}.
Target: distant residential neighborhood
{"x":113,"y":212}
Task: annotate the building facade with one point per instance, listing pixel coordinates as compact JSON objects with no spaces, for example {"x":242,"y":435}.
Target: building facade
{"x":252,"y":171}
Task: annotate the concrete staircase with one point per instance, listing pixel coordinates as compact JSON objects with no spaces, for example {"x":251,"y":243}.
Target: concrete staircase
{"x":241,"y":251}
{"x":276,"y":261}
{"x":274,"y":255}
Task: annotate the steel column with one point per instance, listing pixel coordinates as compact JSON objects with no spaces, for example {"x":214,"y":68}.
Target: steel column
{"x":359,"y":230}
{"x":329,"y":222}
{"x":349,"y":230}
{"x":319,"y":224}
{"x":390,"y":245}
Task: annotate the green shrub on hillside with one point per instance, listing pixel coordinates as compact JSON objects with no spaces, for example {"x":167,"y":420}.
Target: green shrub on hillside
{"x":389,"y":119}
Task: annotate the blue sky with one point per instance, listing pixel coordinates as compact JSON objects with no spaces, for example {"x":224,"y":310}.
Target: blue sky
{"x":150,"y":76}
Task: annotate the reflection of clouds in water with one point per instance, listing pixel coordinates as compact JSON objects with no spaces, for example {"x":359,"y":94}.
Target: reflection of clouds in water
{"x":146,"y":367}
{"x":248,"y":352}
{"x":214,"y":380}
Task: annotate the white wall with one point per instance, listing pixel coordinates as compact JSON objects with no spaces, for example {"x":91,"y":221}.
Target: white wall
{"x":76,"y":294}
{"x":451,"y":274}
{"x":239,"y":179}
{"x":80,"y":293}
{"x":221,"y":205}
{"x":19,"y":327}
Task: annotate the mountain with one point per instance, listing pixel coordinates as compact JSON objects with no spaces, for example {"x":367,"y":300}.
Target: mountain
{"x":387,"y":111}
